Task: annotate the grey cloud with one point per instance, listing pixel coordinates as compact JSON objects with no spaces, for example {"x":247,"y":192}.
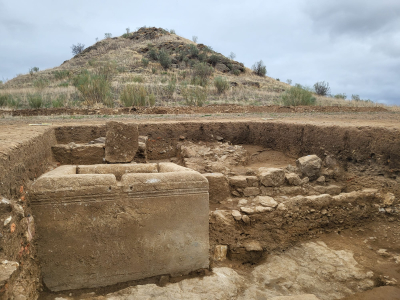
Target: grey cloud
{"x":355,"y":17}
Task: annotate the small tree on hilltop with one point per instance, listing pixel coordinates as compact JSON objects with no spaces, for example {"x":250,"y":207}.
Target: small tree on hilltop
{"x":322,"y":88}
{"x":259,"y":68}
{"x":78,"y":48}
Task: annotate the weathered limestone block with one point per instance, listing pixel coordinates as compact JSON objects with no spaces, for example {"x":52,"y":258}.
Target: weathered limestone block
{"x":104,"y":224}
{"x":218,"y":187}
{"x":252,"y":181}
{"x":309,"y":166}
{"x":266,"y":201}
{"x":251,"y":191}
{"x":271,"y":176}
{"x":329,"y":189}
{"x":293,"y":179}
{"x":121,"y":142}
{"x":79,"y":154}
{"x":220,"y":252}
{"x":238,"y":181}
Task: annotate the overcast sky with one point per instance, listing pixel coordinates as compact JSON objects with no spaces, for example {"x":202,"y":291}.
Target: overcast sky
{"x":352,"y":44}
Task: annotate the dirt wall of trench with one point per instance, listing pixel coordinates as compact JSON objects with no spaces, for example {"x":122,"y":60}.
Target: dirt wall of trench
{"x":25,"y":162}
{"x":348,"y":144}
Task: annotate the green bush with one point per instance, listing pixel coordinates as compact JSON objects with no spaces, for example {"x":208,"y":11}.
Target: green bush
{"x":14,"y":102}
{"x":153,"y":54}
{"x":193,"y":51}
{"x":221,"y":84}
{"x":33,"y":70}
{"x":194,"y":96}
{"x":170,"y":88}
{"x":236,"y":72}
{"x":164,"y":59}
{"x":138,"y":79}
{"x":35,"y":100}
{"x":64,"y":84}
{"x":136,"y":95}
{"x":214,"y":59}
{"x":41,"y":83}
{"x":93,"y":88}
{"x":201,"y":73}
{"x":4,"y":99}
{"x":259,"y":68}
{"x":145,"y":62}
{"x":340,"y":96}
{"x":355,"y":97}
{"x":61,"y":74}
{"x":297,"y":95}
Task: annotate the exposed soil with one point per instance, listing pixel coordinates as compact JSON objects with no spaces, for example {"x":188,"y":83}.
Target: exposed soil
{"x":215,"y":109}
{"x":25,"y":153}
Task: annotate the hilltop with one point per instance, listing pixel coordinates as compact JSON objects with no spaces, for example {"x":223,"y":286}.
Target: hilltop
{"x":150,"y":66}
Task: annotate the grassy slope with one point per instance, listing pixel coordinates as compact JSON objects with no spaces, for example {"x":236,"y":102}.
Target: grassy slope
{"x":125,"y":55}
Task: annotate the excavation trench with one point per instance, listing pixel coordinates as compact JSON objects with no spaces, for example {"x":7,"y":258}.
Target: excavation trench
{"x":78,"y":229}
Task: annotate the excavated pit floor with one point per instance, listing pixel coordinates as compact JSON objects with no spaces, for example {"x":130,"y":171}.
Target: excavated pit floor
{"x":334,"y":263}
{"x":365,"y":247}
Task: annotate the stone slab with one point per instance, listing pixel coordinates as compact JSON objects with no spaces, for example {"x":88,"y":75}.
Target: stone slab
{"x":95,"y":230}
{"x":121,"y":142}
{"x":218,"y":187}
{"x":78,"y":154}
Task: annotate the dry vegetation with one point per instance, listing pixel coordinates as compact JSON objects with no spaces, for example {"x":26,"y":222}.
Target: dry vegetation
{"x":165,"y":68}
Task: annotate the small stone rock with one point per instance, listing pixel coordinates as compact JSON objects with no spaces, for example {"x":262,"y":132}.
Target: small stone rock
{"x":8,"y":220}
{"x":309,"y":166}
{"x":220,"y":252}
{"x":251,"y":191}
{"x":281,"y":206}
{"x":324,"y":211}
{"x":305,"y":180}
{"x":293,"y":179}
{"x":247,"y":210}
{"x":389,"y":199}
{"x":242,"y":202}
{"x":181,"y":137}
{"x":246,"y":219}
{"x":252,"y":181}
{"x":383,"y":252}
{"x":7,"y":268}
{"x":262,"y":209}
{"x":235,"y":193}
{"x":219,"y":138}
{"x":321,"y":180}
{"x":252,"y":246}
{"x":271,"y":176}
{"x":236,"y":215}
{"x":164,"y":279}
{"x":266,"y":201}
{"x":238,"y":181}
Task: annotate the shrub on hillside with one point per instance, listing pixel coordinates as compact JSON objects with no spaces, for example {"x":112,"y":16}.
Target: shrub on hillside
{"x":355,"y":97}
{"x":4,"y":99}
{"x":164,"y":59}
{"x":221,"y":84}
{"x":193,"y":51}
{"x":340,"y":96}
{"x":194,"y":96}
{"x":322,"y":88}
{"x":145,"y":62}
{"x":297,"y":95}
{"x":201,"y":73}
{"x":78,"y":48}
{"x":93,"y":88}
{"x":259,"y":68}
{"x":35,"y":100}
{"x":136,"y":95}
{"x":33,"y":70}
{"x":61,"y":74}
